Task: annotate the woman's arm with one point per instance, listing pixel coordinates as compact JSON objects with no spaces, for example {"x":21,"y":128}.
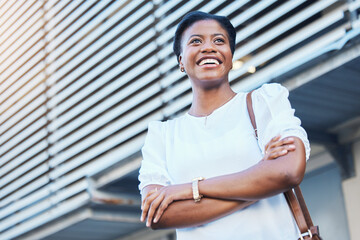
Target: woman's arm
{"x":187,"y":213}
{"x":155,"y":202}
{"x":264,"y":179}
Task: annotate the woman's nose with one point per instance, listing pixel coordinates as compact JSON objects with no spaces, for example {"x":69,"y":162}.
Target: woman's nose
{"x":208,"y":47}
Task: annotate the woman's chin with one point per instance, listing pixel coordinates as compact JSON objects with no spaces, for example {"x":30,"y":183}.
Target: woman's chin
{"x":211,"y":81}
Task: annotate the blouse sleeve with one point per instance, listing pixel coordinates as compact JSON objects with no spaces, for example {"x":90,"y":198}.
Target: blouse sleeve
{"x":153,"y":168}
{"x":274,"y":116}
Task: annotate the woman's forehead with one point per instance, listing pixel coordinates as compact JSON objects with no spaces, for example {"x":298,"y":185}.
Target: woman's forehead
{"x":205,"y":27}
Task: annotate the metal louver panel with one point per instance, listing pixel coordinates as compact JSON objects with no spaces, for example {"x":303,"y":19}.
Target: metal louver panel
{"x":80,"y":80}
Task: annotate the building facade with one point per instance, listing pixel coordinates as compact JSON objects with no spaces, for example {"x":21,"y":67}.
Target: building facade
{"x":80,"y":80}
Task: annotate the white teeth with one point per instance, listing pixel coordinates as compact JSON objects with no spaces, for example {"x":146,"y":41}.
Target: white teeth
{"x":209,"y":60}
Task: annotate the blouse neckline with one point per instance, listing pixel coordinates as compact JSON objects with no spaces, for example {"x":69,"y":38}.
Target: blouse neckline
{"x":219,"y":109}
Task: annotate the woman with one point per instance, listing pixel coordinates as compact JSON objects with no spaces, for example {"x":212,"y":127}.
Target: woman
{"x":203,"y":173}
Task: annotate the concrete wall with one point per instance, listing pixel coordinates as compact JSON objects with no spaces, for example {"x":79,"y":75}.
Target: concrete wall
{"x":322,"y":190}
{"x":351,"y":190}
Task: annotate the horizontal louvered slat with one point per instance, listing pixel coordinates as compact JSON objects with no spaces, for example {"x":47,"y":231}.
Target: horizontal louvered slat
{"x":127,"y":63}
{"x":229,"y":8}
{"x":292,"y":40}
{"x":104,"y":134}
{"x":279,"y":29}
{"x":18,"y":116}
{"x":111,"y":156}
{"x":45,"y":204}
{"x":5,"y":6}
{"x":92,"y":43}
{"x":289,"y":62}
{"x":24,"y":202}
{"x":59,"y":47}
{"x":268,"y":18}
{"x":25,"y":27}
{"x":33,"y":186}
{"x":99,"y":69}
{"x":20,"y":170}
{"x":11,"y":14}
{"x":22,"y":141}
{"x":40,"y":193}
{"x":32,"y":150}
{"x":22,"y":181}
{"x":105,"y":105}
{"x":22,"y":69}
{"x":56,"y":211}
{"x":64,"y":28}
{"x":251,"y":12}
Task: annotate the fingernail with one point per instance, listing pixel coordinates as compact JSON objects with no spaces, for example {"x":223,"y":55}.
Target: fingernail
{"x":284,"y":151}
{"x":148,"y":224}
{"x":291,"y":139}
{"x":155,"y":220}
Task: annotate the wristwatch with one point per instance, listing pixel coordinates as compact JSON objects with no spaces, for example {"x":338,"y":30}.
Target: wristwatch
{"x":195,"y":189}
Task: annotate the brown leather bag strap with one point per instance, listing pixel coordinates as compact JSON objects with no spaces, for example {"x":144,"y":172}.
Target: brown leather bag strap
{"x":296,"y":203}
{"x":251,"y":112}
{"x":303,"y":206}
{"x":313,"y":229}
{"x":296,"y":211}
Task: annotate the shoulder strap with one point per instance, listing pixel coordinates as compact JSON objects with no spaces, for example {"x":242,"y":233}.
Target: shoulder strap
{"x":296,"y":203}
{"x":251,"y":112}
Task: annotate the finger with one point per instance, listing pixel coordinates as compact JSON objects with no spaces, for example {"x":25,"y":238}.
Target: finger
{"x":289,"y":147}
{"x":288,"y":140}
{"x":274,"y":142}
{"x":285,"y":141}
{"x":148,"y":195}
{"x":281,"y":151}
{"x":161,"y":209}
{"x":274,"y":139}
{"x":147,"y":202}
{"x":276,"y":154}
{"x":153,"y":207}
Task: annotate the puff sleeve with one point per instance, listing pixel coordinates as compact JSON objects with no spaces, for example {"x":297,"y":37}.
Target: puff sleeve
{"x":274,"y":115}
{"x":153,"y":168}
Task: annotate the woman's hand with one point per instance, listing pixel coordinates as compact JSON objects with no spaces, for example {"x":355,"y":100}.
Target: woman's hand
{"x":158,"y":199}
{"x":277,"y":148}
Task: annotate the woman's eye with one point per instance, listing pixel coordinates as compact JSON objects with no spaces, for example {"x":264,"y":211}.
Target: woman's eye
{"x":219,"y":40}
{"x":195,"y":41}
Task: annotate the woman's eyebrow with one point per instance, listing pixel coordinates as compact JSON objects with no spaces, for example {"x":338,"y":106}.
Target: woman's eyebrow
{"x":199,"y":35}
{"x":195,"y":35}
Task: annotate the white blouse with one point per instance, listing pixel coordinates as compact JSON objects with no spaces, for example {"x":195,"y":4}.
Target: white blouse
{"x":178,"y":150}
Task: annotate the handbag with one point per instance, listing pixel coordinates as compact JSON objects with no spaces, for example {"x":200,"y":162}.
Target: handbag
{"x":293,"y":197}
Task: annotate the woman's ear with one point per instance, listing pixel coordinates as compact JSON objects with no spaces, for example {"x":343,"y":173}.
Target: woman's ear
{"x":181,"y":65}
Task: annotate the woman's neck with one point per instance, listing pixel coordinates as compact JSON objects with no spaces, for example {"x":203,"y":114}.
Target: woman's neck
{"x":206,"y":101}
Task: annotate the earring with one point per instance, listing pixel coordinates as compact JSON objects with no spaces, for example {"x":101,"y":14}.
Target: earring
{"x":182,"y":69}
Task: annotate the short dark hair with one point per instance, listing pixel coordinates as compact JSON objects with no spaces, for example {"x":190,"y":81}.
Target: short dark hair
{"x":195,"y":16}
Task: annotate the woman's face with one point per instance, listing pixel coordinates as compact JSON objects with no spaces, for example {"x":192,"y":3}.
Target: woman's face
{"x":206,"y":54}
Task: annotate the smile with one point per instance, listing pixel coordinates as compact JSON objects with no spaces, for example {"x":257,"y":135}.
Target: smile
{"x":208,"y":61}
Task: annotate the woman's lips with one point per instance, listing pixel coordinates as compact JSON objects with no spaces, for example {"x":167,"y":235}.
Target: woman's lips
{"x":208,"y":60}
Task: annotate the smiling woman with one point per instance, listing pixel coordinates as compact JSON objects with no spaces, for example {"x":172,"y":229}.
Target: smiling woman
{"x":205,"y":173}
{"x":206,"y":55}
